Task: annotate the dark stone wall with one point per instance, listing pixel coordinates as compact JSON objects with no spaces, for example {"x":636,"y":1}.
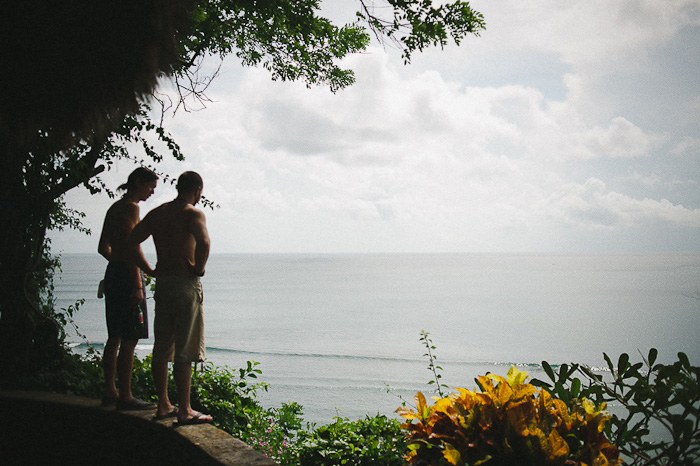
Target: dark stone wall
{"x":49,"y":429}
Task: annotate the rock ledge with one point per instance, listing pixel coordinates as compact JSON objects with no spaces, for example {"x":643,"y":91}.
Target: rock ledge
{"x":50,"y":428}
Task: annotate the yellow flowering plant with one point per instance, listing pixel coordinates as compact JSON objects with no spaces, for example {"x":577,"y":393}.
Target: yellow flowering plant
{"x":507,"y":422}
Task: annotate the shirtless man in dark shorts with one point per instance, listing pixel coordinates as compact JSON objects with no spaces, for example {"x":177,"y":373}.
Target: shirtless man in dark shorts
{"x":182,"y":247}
{"x":127,"y":317}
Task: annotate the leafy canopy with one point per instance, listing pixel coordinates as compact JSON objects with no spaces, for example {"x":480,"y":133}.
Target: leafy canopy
{"x":77,"y":103}
{"x":294,"y":42}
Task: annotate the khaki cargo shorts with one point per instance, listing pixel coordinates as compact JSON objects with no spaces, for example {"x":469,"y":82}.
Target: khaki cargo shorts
{"x":179,"y":320}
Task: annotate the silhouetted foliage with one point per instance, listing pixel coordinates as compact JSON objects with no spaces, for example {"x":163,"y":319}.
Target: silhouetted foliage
{"x":76,"y":98}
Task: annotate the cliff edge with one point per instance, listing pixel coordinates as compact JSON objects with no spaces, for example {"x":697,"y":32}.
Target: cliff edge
{"x":56,"y":429}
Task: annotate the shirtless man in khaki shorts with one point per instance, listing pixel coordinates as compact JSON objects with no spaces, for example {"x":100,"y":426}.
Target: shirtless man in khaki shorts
{"x":182,"y":247}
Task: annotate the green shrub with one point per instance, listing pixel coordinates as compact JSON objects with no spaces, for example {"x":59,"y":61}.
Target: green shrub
{"x":371,"y":441}
{"x":274,"y":432}
{"x":66,"y":373}
{"x":228,"y":396}
{"x":665,"y":398}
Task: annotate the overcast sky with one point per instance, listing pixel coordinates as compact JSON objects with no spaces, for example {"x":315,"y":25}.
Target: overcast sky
{"x":565,"y":127}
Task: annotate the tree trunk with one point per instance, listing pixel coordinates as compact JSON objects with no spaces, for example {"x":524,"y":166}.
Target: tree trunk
{"x":27,"y":335}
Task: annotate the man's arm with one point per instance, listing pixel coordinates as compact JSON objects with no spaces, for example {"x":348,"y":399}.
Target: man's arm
{"x":141,"y":231}
{"x":104,"y":247}
{"x":198,"y":228}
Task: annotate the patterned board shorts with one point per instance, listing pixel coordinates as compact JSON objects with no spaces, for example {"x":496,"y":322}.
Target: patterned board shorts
{"x":125,"y":318}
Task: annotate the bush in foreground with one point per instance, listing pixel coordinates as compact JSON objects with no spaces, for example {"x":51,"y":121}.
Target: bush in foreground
{"x":561,"y":421}
{"x":366,"y":442}
{"x":509,"y":422}
{"x":661,"y":420}
{"x":230,"y":396}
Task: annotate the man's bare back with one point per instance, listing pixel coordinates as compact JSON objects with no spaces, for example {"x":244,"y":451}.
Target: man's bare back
{"x":181,"y":238}
{"x":182,"y":245}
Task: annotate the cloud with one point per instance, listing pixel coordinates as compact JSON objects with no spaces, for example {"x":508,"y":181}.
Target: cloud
{"x":592,"y":206}
{"x":595,"y":35}
{"x":647,"y":181}
{"x":421,"y":150}
{"x":466,"y":150}
{"x":687,"y":146}
{"x":620,"y":139}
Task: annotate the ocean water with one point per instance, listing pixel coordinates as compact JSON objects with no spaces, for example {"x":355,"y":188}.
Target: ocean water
{"x":339,"y":333}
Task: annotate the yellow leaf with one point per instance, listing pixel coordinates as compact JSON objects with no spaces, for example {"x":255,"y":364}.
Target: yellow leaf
{"x":560,"y":408}
{"x":504,"y":393}
{"x":522,"y":390}
{"x":559,"y":446}
{"x":407,"y":413}
{"x":516,"y":377}
{"x":465,"y":398}
{"x":451,"y":454}
{"x":499,"y":391}
{"x":520,"y":416}
{"x":443,"y":405}
{"x":546,"y":398}
{"x":422,"y":405}
{"x":486,"y":382}
{"x":601,"y":460}
{"x":494,"y":378}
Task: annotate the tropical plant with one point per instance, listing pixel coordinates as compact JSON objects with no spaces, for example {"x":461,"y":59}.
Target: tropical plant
{"x":370,"y":441}
{"x":661,"y":420}
{"x":509,"y":422}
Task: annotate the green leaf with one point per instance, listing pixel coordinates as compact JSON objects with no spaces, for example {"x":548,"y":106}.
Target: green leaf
{"x":561,"y":392}
{"x":653,"y":353}
{"x":575,"y":387}
{"x":563,"y":373}
{"x":622,"y":364}
{"x":610,"y":364}
{"x":548,"y":370}
{"x":541,"y":384}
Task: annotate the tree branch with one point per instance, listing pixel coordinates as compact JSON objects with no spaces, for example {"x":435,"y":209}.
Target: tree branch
{"x":89,"y":160}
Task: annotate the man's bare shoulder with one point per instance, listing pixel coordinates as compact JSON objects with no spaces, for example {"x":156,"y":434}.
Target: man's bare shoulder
{"x":158,"y":211}
{"x":122,"y":208}
{"x":151,"y":220}
{"x":194,"y":216}
{"x":193,"y":211}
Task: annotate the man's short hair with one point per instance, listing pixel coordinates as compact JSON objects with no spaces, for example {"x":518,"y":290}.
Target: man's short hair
{"x":188,"y":182}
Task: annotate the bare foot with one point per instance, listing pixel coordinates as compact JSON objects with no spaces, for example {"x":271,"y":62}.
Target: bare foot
{"x":166,"y":410}
{"x":110,"y":400}
{"x":195,"y":418}
{"x":160,"y":415}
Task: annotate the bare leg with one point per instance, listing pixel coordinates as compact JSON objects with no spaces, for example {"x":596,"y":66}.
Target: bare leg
{"x":125,"y":364}
{"x":160,"y":379}
{"x":109,"y":363}
{"x":183,"y":380}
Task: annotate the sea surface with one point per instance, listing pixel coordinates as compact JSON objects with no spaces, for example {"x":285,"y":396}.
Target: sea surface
{"x":339,"y":333}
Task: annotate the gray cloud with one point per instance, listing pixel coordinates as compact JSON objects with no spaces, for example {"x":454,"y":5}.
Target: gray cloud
{"x":559,"y":129}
